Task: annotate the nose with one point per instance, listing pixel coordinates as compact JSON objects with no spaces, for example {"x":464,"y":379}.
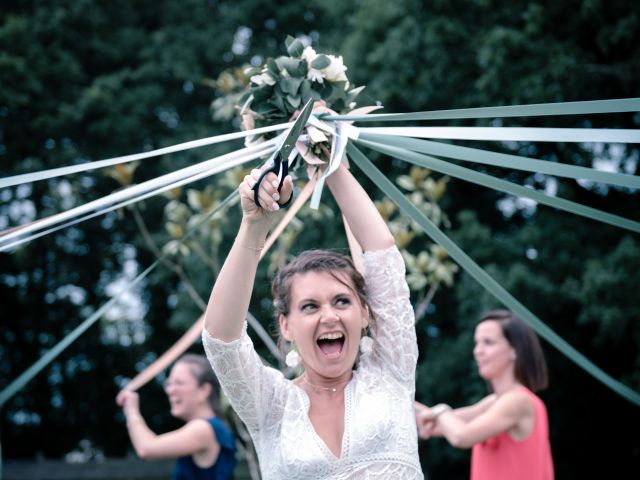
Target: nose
{"x":329,"y":315}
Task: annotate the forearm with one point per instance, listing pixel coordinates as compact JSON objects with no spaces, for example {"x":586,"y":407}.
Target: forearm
{"x":231,"y":294}
{"x":368,"y":227}
{"x":450,"y":426}
{"x":140,"y":434}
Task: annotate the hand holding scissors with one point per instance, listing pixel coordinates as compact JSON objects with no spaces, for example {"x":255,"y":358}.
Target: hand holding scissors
{"x":281,"y":159}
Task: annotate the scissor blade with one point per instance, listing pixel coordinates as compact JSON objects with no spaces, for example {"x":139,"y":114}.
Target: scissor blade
{"x":296,"y":129}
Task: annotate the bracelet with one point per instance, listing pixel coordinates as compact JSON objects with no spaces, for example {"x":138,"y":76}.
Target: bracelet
{"x":253,"y":249}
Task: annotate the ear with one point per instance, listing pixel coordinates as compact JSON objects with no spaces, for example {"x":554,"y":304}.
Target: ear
{"x":366,"y":315}
{"x":284,"y":328}
{"x":205,"y":388}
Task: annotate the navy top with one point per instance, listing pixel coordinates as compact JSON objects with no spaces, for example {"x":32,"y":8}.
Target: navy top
{"x":186,"y":469}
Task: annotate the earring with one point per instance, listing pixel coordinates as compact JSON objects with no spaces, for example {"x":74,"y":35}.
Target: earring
{"x":293,"y":357}
{"x":366,"y":342}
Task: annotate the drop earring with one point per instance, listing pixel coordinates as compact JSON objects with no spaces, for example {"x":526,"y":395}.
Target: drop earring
{"x":293,"y":357}
{"x":366,"y":342}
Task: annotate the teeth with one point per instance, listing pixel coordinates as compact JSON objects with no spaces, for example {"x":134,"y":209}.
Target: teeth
{"x":330,"y":336}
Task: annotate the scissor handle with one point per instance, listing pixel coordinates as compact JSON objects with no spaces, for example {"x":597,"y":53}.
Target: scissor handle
{"x":277,"y":163}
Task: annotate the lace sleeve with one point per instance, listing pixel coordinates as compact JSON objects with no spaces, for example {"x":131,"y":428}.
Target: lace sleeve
{"x":253,"y":389}
{"x":393,"y":330}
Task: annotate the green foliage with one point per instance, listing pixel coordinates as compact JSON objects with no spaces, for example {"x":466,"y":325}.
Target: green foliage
{"x":282,"y":86}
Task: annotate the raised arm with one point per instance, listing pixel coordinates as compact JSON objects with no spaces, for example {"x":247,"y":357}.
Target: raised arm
{"x":229,"y":301}
{"x":363,"y":217}
{"x":194,"y":438}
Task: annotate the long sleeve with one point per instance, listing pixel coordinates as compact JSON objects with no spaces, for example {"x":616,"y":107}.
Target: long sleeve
{"x":256,"y":392}
{"x":395,"y":346}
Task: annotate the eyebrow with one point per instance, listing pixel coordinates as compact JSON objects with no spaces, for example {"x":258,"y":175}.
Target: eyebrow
{"x":337,"y":295}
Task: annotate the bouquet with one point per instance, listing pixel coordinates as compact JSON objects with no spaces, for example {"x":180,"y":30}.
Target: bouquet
{"x":281,"y":86}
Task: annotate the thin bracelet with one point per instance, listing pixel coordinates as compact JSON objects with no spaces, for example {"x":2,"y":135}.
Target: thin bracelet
{"x":253,"y":249}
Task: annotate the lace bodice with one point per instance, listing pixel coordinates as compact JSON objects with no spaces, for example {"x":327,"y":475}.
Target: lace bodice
{"x":380,"y":439}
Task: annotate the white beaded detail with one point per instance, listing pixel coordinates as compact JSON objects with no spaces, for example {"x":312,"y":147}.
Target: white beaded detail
{"x":292,"y":359}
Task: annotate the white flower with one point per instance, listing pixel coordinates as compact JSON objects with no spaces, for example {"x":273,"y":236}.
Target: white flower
{"x":263,"y":79}
{"x":335,"y":71}
{"x":366,"y":344}
{"x":309,"y":54}
{"x":315,"y":75}
{"x":292,"y":359}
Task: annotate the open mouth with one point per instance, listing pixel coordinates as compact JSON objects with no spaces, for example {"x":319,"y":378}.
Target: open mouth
{"x":331,"y":343}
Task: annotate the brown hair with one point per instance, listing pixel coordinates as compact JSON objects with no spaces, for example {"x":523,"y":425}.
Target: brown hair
{"x":203,"y":373}
{"x":530,"y":365}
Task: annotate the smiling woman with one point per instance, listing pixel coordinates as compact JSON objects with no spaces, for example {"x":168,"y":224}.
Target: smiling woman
{"x":509,"y":429}
{"x":335,"y":420}
{"x":204,"y":446}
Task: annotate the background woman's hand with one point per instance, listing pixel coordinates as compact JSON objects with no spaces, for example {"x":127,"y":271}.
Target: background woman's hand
{"x":268,"y":195}
{"x":129,"y":401}
{"x":425,"y":420}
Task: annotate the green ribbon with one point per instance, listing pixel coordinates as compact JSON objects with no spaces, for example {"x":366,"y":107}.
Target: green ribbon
{"x":533,"y":110}
{"x":504,"y":160}
{"x":483,"y":278}
{"x":503,"y":186}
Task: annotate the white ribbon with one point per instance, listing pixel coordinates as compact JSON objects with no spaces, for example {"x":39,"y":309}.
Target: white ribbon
{"x":138,"y":192}
{"x":58,"y":172}
{"x":581,"y":135}
{"x":338,"y":145}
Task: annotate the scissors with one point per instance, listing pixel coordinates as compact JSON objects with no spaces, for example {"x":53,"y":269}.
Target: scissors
{"x":281,"y":158}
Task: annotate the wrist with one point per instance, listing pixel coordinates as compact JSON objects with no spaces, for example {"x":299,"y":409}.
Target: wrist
{"x":440,"y":409}
{"x":252,"y":236}
{"x":134,"y":418}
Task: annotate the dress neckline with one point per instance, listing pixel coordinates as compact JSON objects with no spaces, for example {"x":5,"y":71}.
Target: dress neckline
{"x":347,"y":392}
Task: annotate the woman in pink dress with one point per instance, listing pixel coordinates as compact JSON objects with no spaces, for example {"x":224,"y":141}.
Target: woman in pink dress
{"x":508,"y":430}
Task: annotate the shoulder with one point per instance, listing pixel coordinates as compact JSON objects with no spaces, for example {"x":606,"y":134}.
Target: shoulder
{"x":222,"y":432}
{"x":515,"y":403}
{"x":200,"y":428}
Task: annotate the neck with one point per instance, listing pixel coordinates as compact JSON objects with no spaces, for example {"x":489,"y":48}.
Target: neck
{"x":504,"y":384}
{"x":333,"y":386}
{"x":201,"y":412}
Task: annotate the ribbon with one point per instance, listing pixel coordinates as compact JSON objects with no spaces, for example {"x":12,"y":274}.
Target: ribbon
{"x":576,"y":135}
{"x":340,"y":134}
{"x":57,"y":172}
{"x":516,"y":162}
{"x":135,"y":193}
{"x":532,"y":110}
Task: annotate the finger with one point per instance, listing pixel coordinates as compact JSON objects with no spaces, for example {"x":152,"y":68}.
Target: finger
{"x":249,"y":181}
{"x":287,"y":189}
{"x":255,"y":173}
{"x":121,"y":398}
{"x":268,"y":201}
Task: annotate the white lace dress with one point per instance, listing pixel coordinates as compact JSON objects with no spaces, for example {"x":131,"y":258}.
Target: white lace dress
{"x":380,"y":438}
